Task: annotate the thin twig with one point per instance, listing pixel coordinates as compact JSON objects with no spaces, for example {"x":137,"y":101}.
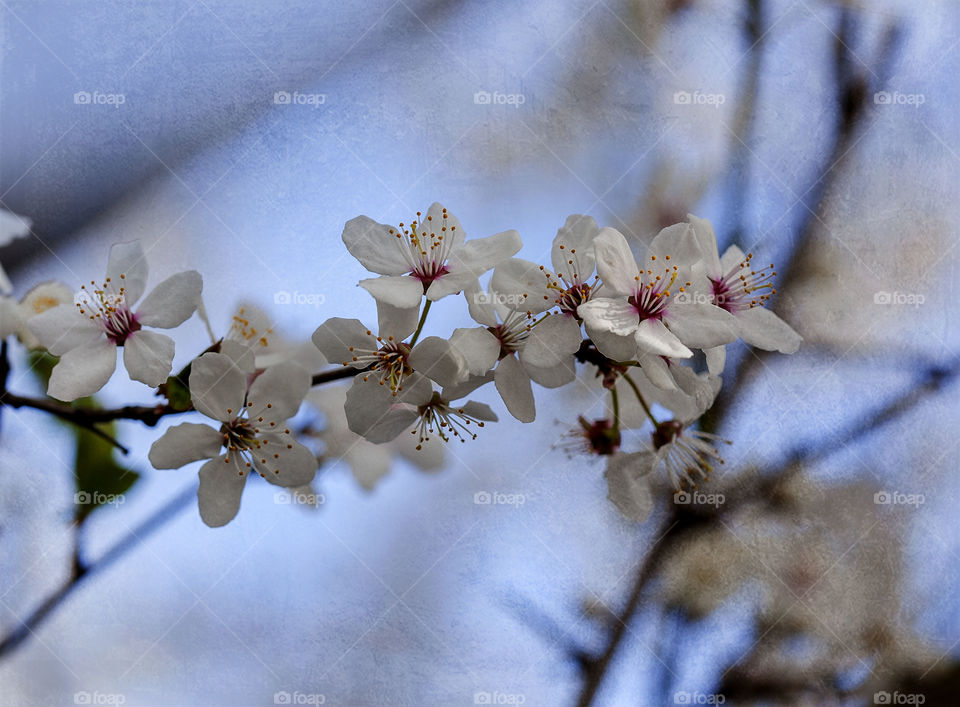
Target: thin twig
{"x":81,"y":572}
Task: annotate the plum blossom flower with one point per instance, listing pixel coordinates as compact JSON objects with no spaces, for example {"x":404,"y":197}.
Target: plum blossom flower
{"x":692,"y":395}
{"x":684,"y":454}
{"x":11,"y":228}
{"x":252,"y":433}
{"x":253,"y":343}
{"x":388,"y":357}
{"x":369,"y":462}
{"x":428,"y":256}
{"x":522,"y":348}
{"x":14,"y":315}
{"x":627,"y":484}
{"x":572,"y":280}
{"x":87,"y":333}
{"x":738,"y":288}
{"x":641,"y":311}
{"x":376,"y":415}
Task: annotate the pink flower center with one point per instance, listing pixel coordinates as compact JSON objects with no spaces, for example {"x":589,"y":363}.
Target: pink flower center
{"x":653,"y":295}
{"x":109,"y":310}
{"x":742,"y":287}
{"x":427,"y":247}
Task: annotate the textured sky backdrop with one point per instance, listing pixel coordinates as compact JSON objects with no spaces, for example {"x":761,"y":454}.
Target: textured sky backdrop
{"x":512,"y":116}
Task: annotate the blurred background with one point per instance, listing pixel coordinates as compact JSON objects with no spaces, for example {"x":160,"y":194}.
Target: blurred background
{"x":238,"y":137}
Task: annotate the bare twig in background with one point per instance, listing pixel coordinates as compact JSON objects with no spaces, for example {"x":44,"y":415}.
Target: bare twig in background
{"x":852,"y":93}
{"x":80,"y":571}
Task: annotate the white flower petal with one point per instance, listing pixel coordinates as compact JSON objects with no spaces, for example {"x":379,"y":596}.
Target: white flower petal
{"x":513,"y":384}
{"x":398,"y":290}
{"x":369,"y":462}
{"x":221,"y":487}
{"x":376,"y":246}
{"x":763,"y":329}
{"x":374,"y":413}
{"x":480,"y":305}
{"x":479,"y":348}
{"x":473,"y":259}
{"x":521,"y":286}
{"x":613,"y":346}
{"x":707,"y":242}
{"x":677,"y":241}
{"x":395,"y":321}
{"x":627,"y":485}
{"x":478,"y":411}
{"x":657,"y":371}
{"x":653,"y":337}
{"x":716,"y":359}
{"x":217,"y":386}
{"x":464,"y":388}
{"x":63,"y":328}
{"x":553,"y":376}
{"x":148,"y":357}
{"x":615,"y":263}
{"x":439,"y":360}
{"x":13,"y":226}
{"x":732,"y":258}
{"x":83,"y":371}
{"x":171,"y":302}
{"x":481,"y":254}
{"x":616,"y":316}
{"x":185,"y":443}
{"x":700,"y":325}
{"x":339,"y":339}
{"x":10,"y":320}
{"x":283,"y":461}
{"x":127,"y":268}
{"x":576,"y":234}
{"x":552,"y":342}
{"x":276,"y":394}
{"x":434,"y":222}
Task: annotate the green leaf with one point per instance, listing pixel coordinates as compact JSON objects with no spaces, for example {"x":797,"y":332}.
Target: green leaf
{"x":100,"y":479}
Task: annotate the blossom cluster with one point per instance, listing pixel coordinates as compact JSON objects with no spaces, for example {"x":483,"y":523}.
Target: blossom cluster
{"x":632,"y":323}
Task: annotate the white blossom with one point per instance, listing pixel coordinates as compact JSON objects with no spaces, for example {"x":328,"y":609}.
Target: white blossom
{"x":252,"y":433}
{"x":642,"y":310}
{"x":86,"y":333}
{"x":428,"y":256}
{"x":737,"y":287}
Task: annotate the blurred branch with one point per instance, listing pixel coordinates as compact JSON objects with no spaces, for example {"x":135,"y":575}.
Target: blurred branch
{"x":147,"y":414}
{"x":80,"y":571}
{"x":684,"y":519}
{"x":853,"y":91}
{"x":85,"y":417}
